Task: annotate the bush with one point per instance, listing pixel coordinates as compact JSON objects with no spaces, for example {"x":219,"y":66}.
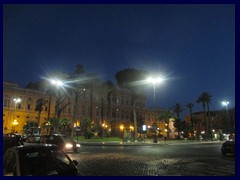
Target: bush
{"x":88,"y":135}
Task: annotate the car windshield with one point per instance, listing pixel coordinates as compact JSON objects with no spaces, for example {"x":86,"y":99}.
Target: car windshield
{"x":63,"y":138}
{"x":44,"y":162}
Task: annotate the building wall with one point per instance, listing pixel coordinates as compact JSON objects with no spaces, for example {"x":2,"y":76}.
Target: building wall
{"x":217,"y":121}
{"x":22,"y":111}
{"x":118,"y":112}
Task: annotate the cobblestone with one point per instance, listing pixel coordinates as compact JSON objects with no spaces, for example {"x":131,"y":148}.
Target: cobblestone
{"x":154,"y":160}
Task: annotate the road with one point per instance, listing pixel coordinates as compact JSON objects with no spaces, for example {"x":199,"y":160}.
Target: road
{"x":155,"y":160}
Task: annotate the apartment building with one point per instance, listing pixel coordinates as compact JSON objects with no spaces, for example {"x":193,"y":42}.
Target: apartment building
{"x":110,"y":112}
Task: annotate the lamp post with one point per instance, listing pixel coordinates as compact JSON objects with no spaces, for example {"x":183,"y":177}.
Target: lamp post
{"x":15,"y":122}
{"x":225,"y":103}
{"x":155,"y":81}
{"x":122,"y":131}
{"x":57,"y":83}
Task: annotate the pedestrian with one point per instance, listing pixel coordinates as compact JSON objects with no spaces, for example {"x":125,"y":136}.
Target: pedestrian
{"x":165,"y":139}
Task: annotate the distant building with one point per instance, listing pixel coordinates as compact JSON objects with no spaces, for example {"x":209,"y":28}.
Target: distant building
{"x":110,"y":112}
{"x":217,"y":122}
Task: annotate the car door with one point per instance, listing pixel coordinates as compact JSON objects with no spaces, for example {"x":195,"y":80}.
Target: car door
{"x":10,"y":163}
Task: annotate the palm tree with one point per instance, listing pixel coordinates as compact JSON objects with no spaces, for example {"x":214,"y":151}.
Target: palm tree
{"x":205,"y":99}
{"x":39,"y":107}
{"x":190,"y":107}
{"x":177,"y":109}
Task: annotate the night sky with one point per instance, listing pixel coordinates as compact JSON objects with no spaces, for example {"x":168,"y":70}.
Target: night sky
{"x":193,"y":46}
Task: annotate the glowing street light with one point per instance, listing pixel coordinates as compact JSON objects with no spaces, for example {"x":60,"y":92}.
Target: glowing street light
{"x":17,"y":100}
{"x":57,"y":82}
{"x":155,"y":81}
{"x":14,"y":123}
{"x":225,"y":103}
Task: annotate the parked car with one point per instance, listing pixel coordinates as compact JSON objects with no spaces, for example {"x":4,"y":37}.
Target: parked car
{"x":19,"y":136}
{"x":38,"y":160}
{"x":33,"y":139}
{"x":11,"y":141}
{"x":65,"y":142}
{"x":228,"y":147}
{"x":24,"y":137}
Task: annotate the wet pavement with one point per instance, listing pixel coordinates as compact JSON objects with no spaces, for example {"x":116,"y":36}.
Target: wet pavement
{"x":154,"y":159}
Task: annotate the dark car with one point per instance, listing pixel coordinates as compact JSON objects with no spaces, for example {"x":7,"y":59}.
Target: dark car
{"x":11,"y":141}
{"x":38,"y":160}
{"x":228,"y":147}
{"x":33,"y":139}
{"x":65,"y":142}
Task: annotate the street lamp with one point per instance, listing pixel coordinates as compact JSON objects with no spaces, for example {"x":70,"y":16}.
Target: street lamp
{"x":225,"y":103}
{"x":14,"y":123}
{"x":16,"y":101}
{"x":155,"y":81}
{"x":58,"y":83}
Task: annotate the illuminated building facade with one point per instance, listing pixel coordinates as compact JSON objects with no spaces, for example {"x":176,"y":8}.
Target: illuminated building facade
{"x":110,"y":112}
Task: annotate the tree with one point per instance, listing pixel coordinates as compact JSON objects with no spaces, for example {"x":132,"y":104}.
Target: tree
{"x":190,"y":107}
{"x":205,"y":99}
{"x":29,"y":126}
{"x":64,"y":122}
{"x":87,"y":128}
{"x":129,"y":79}
{"x":177,"y":109}
{"x":39,"y":108}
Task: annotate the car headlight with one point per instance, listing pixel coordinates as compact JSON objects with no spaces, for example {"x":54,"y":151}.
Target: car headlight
{"x":68,"y":145}
{"x":78,"y":145}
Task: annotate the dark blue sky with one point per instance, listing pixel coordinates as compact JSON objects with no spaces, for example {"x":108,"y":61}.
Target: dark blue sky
{"x":192,"y":45}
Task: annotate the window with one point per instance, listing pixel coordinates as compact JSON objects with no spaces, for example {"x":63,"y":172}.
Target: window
{"x":19,"y":106}
{"x":6,"y":103}
{"x":122,"y":114}
{"x":114,"y":113}
{"x":114,"y":98}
